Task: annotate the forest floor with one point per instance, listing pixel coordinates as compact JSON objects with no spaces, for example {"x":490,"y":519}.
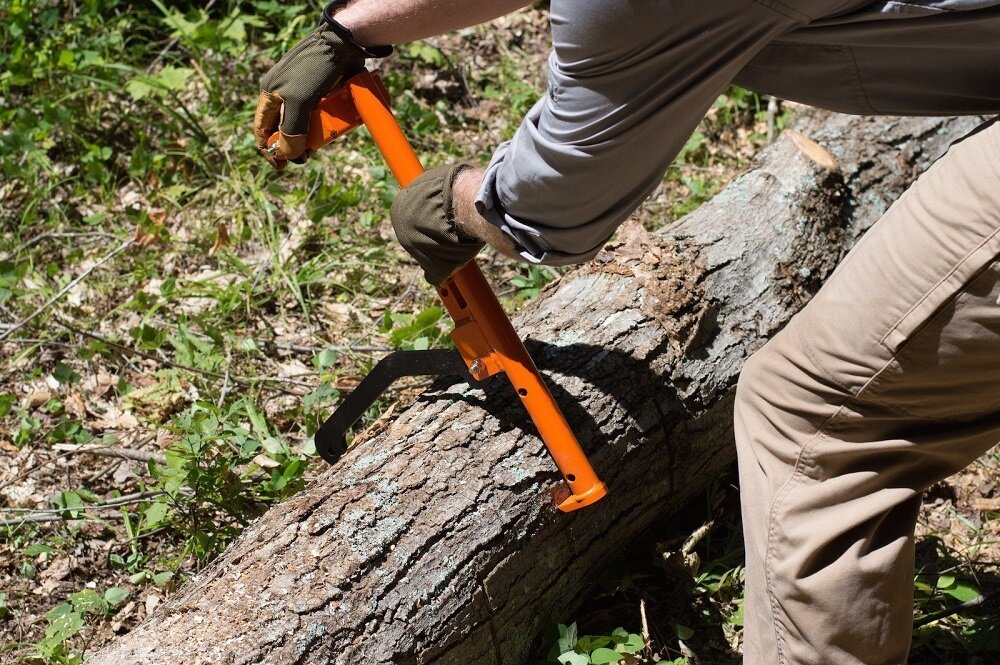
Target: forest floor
{"x":176,"y":319}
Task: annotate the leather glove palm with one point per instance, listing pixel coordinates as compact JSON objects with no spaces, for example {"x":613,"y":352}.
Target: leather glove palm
{"x":293,"y":87}
{"x":423,"y":217}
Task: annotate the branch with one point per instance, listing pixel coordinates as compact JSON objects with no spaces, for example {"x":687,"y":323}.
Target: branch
{"x":58,"y":514}
{"x":110,"y":451}
{"x":45,"y":236}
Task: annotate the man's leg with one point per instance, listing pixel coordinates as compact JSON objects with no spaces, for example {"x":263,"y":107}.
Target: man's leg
{"x":888,"y":381}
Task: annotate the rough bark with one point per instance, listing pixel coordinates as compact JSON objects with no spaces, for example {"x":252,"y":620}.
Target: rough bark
{"x":435,"y":540}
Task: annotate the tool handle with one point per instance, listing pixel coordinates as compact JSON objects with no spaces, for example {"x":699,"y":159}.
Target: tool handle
{"x":483,"y":334}
{"x":336,"y":114}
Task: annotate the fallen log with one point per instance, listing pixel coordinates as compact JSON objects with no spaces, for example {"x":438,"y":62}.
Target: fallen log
{"x":436,"y":541}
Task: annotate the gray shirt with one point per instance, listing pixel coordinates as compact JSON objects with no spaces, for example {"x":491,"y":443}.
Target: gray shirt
{"x":629,"y":80}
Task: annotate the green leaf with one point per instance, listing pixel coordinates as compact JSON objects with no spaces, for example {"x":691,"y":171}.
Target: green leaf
{"x":87,"y":600}
{"x":140,"y":577}
{"x":273,"y":445}
{"x":64,"y":623}
{"x":964,"y":592}
{"x":632,"y":644}
{"x":6,"y":404}
{"x":69,"y":503}
{"x":591,"y":642}
{"x":573,"y":658}
{"x":326,"y":358}
{"x":115,"y":596}
{"x":567,"y":637}
{"x":38,"y":548}
{"x":683,"y":632}
{"x":161,"y":579}
{"x":156,"y":514}
{"x":66,"y":429}
{"x":64,"y":374}
{"x":946,"y":581}
{"x":424,"y":53}
{"x":174,"y":78}
{"x":257,"y":421}
{"x":139,"y":88}
{"x":736,"y":618}
{"x":604,"y":655}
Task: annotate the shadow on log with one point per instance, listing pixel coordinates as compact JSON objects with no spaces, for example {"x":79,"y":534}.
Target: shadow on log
{"x":436,"y":541}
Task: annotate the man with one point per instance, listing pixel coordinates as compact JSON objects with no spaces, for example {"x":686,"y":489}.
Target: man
{"x":887,"y":382}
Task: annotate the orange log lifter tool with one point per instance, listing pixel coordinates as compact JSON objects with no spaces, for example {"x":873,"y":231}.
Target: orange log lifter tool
{"x":485,"y":340}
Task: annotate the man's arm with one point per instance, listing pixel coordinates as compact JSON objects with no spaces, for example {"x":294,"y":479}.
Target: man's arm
{"x":374,"y":22}
{"x":628,"y":83}
{"x":468,"y":219}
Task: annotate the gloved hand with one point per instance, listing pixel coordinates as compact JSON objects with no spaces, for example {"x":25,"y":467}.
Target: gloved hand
{"x":308,"y":72}
{"x":423,"y":217}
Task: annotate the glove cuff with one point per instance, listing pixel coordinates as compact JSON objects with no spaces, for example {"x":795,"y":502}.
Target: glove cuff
{"x":423,"y":217}
{"x":345,"y":34}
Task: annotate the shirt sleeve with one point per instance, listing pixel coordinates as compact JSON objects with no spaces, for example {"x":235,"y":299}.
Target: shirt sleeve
{"x":628,"y":82}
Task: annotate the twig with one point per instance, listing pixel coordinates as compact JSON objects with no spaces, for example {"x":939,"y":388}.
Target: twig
{"x":57,"y":515}
{"x":45,"y":236}
{"x":957,"y":609}
{"x":773,"y":107}
{"x":109,"y":451}
{"x":103,"y":471}
{"x":66,"y":289}
{"x":40,"y":342}
{"x":225,"y":382}
{"x":118,"y":501}
{"x":96,"y":475}
{"x":648,"y":644}
{"x":692,"y":541}
{"x":300,"y":348}
{"x":41,"y":519}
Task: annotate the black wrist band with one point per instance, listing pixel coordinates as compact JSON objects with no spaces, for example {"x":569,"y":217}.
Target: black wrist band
{"x":345,"y":34}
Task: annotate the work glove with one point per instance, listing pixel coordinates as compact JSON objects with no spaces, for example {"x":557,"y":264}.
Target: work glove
{"x":292,"y":88}
{"x":423,"y":217}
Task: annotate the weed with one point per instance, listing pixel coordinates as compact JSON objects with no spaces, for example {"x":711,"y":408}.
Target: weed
{"x":620,"y":646}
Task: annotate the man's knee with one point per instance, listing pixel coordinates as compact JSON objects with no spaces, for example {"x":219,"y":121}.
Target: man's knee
{"x":760,"y":383}
{"x":781,"y":400}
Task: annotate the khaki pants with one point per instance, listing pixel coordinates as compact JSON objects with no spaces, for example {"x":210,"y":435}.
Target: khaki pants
{"x":887,"y":382}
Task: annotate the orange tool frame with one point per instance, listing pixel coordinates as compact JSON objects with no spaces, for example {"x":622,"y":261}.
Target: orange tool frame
{"x":483,"y":334}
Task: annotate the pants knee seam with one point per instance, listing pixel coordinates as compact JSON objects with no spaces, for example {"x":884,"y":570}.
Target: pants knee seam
{"x":804,"y":458}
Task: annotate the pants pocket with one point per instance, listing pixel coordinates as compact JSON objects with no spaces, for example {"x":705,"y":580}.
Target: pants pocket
{"x":942,"y":293}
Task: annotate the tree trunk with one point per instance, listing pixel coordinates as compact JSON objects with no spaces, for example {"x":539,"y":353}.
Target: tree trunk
{"x":436,"y":541}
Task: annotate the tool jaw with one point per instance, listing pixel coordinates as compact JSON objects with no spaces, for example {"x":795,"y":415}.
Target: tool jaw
{"x":573,"y":502}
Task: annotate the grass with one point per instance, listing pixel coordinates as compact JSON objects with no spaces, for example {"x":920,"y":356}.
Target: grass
{"x":220,"y":309}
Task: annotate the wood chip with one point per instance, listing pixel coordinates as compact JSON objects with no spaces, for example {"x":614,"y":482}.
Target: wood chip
{"x":987,"y":505}
{"x":813,"y":150}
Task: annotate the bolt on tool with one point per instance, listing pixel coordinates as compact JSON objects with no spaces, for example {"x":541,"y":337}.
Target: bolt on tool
{"x":485,"y":341}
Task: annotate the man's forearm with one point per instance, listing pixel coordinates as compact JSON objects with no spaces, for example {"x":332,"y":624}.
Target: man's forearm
{"x":374,"y":22}
{"x":468,"y":219}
